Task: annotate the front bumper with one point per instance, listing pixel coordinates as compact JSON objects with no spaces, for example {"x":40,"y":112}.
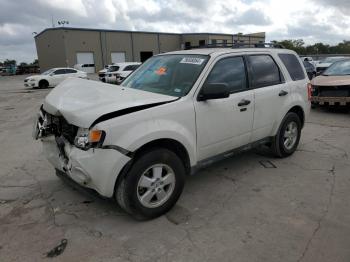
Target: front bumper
{"x":95,"y":168}
{"x":30,"y":84}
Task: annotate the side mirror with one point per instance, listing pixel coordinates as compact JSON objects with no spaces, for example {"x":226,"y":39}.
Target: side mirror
{"x":213,"y":91}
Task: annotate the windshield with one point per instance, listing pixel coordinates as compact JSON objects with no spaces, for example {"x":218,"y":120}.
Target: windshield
{"x":338,"y":69}
{"x":172,"y":75}
{"x":48,"y":72}
{"x":332,"y":59}
{"x":113,"y":68}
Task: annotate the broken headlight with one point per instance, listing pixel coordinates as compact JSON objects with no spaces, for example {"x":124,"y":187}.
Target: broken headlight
{"x":86,"y":138}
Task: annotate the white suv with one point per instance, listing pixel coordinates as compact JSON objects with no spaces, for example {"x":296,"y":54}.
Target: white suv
{"x":178,"y":112}
{"x":118,"y":72}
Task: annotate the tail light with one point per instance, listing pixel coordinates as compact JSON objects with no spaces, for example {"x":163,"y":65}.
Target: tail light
{"x":309,"y":89}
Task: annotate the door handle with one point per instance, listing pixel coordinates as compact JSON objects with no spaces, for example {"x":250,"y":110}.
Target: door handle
{"x":283,"y":93}
{"x":244,"y":102}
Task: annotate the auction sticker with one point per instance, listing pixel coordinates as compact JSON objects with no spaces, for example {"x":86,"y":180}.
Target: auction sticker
{"x":192,"y":60}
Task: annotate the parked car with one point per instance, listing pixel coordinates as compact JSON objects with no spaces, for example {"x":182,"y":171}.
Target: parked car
{"x":52,"y":77}
{"x":120,"y":71}
{"x":102,"y":73}
{"x":176,"y":113}
{"x":309,"y":59}
{"x":310,"y":69}
{"x":325,"y":63}
{"x":333,"y":86}
{"x":8,"y":70}
{"x":87,"y":68}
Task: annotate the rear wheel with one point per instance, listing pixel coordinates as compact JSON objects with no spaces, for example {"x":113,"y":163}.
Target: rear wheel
{"x":287,"y":139}
{"x":153,"y":184}
{"x":43,"y":84}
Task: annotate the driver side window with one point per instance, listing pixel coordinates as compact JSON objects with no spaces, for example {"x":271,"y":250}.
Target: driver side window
{"x":230,"y":71}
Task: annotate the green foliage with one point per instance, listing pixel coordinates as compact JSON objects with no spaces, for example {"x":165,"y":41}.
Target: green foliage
{"x":8,"y":62}
{"x":299,"y":46}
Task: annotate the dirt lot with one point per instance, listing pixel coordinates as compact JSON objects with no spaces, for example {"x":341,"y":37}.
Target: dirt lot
{"x":235,"y":210}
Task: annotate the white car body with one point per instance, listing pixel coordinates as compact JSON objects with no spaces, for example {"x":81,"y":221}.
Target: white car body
{"x":102,"y":73}
{"x":115,"y":77}
{"x":87,"y":68}
{"x":133,"y":118}
{"x":53,"y":77}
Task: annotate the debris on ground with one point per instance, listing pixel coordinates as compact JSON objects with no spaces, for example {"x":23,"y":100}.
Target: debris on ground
{"x":58,"y":250}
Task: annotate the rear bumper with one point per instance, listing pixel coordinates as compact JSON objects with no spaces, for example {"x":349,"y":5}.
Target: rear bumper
{"x":330,"y":100}
{"x":96,"y":169}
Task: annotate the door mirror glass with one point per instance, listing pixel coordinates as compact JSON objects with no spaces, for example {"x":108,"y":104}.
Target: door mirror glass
{"x":214,"y":91}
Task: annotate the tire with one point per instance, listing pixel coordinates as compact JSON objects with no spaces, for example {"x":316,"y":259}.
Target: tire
{"x":160,"y":195}
{"x":290,"y":130}
{"x":43,"y":84}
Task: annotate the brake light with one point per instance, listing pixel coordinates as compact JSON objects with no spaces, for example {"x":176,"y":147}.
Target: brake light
{"x":309,"y":88}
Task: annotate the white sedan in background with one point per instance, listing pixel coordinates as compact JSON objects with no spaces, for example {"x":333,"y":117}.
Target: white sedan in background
{"x":53,"y":77}
{"x":120,"y":72}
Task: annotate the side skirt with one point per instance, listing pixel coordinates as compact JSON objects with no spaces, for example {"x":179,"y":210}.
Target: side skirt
{"x":209,"y":161}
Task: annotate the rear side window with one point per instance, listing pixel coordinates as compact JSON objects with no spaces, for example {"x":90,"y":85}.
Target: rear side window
{"x":230,"y":71}
{"x":70,"y":71}
{"x":264,"y":71}
{"x":293,"y":66}
{"x":60,"y":72}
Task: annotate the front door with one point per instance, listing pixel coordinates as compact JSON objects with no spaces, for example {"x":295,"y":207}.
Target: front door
{"x":57,"y":77}
{"x":225,"y":124}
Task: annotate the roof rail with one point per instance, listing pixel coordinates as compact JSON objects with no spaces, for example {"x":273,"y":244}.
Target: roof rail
{"x":236,"y":45}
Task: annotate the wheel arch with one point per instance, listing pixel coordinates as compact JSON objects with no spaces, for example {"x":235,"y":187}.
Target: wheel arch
{"x":300,"y":112}
{"x":168,"y":143}
{"x":43,"y":81}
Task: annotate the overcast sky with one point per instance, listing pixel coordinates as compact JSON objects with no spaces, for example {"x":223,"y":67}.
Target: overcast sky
{"x":327,"y":21}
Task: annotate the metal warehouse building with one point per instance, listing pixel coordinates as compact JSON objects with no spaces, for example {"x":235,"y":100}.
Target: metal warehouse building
{"x":63,"y":46}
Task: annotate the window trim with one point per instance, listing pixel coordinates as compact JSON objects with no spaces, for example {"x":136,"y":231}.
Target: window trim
{"x":250,"y":71}
{"x":245,"y":70}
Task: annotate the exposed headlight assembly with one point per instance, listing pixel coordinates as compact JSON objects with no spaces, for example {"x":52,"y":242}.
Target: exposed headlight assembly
{"x":87,"y":139}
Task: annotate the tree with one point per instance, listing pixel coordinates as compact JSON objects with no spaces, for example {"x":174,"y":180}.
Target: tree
{"x":8,"y":62}
{"x":294,"y":44}
{"x":35,"y":62}
{"x":298,"y":46}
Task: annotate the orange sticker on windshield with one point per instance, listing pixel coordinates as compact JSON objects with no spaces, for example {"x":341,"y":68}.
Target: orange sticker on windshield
{"x":161,"y":71}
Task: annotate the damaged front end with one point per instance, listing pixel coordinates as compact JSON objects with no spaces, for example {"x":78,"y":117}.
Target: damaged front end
{"x":331,"y":95}
{"x":78,"y":152}
{"x":47,"y":125}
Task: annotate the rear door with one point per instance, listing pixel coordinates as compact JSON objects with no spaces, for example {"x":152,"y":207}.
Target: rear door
{"x":225,"y":124}
{"x":270,"y":93}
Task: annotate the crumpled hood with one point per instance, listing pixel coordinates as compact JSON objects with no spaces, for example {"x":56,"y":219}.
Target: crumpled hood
{"x":331,"y":80}
{"x":82,"y":101}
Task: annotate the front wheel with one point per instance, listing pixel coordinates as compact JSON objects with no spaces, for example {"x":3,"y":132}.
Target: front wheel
{"x":153,"y":184}
{"x":287,"y":139}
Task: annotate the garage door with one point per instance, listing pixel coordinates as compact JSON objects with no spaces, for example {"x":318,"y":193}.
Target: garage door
{"x":118,"y":57}
{"x":86,"y":60}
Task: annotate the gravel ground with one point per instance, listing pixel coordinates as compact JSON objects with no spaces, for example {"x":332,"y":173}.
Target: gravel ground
{"x":251,"y":207}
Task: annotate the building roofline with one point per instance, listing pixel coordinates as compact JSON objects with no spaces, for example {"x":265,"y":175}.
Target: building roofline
{"x":130,"y":31}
